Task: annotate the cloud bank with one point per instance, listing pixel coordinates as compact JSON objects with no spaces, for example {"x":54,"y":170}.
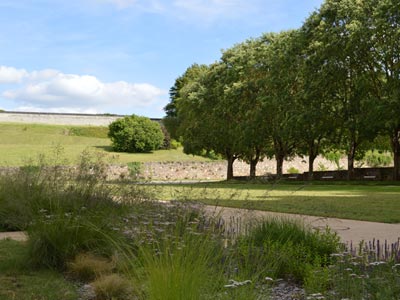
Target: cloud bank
{"x":51,"y":90}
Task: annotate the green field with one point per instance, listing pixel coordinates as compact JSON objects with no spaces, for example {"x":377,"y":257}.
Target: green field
{"x":20,"y":143}
{"x":368,"y":202}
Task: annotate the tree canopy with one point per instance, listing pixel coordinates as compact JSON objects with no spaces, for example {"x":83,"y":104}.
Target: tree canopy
{"x":333,"y":84}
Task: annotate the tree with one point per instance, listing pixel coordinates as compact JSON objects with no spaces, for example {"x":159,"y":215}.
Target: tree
{"x":171,"y":121}
{"x":282,"y":91}
{"x":383,"y":26}
{"x":243,"y":91}
{"x":343,"y":46}
{"x":135,"y":134}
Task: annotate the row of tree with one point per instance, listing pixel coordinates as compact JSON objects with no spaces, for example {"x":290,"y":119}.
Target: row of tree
{"x":332,"y":84}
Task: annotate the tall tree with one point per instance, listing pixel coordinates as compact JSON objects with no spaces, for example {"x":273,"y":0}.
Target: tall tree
{"x":343,"y":44}
{"x":280,"y":69}
{"x":243,"y":93}
{"x":384,"y":31}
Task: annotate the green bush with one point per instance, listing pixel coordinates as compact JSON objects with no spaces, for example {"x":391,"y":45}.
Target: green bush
{"x":293,"y":170}
{"x":376,"y":159}
{"x":175,"y":144}
{"x":135,"y":134}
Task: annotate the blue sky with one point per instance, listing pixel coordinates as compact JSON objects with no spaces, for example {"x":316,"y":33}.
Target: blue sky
{"x":121,"y":56}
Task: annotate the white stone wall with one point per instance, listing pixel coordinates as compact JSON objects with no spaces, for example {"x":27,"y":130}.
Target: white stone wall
{"x":57,"y":119}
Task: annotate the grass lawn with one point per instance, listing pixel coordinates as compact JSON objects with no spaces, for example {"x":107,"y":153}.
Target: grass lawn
{"x":20,"y":143}
{"x":18,"y":281}
{"x":368,"y":202}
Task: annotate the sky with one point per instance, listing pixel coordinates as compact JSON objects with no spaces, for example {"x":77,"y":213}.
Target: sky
{"x":121,"y":56}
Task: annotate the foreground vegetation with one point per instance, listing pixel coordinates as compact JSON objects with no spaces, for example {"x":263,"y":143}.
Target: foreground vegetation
{"x":20,"y":143}
{"x":114,"y":242}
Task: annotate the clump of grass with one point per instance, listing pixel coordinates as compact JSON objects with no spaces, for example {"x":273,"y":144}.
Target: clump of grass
{"x":282,"y":248}
{"x":181,"y":269}
{"x":55,"y":239}
{"x":87,"y":266}
{"x":113,"y":287}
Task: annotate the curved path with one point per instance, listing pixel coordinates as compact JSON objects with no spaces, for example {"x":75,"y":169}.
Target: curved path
{"x":348,"y":230}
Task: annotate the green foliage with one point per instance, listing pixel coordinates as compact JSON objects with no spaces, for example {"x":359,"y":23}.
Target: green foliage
{"x":175,"y":144}
{"x":377,"y":159}
{"x":89,"y":131}
{"x":167,"y":138}
{"x":135,"y":134}
{"x":57,"y":238}
{"x":135,"y":169}
{"x":334,"y":157}
{"x":284,"y":248}
{"x":181,"y":269}
{"x":292,"y":170}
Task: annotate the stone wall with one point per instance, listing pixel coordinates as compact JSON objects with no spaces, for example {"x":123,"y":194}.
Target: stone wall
{"x":57,"y":119}
{"x":214,"y":170}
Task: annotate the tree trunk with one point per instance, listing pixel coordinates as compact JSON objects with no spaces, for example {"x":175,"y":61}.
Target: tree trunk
{"x":311,"y":159}
{"x":231,"y":159}
{"x":350,"y":160}
{"x":253,"y":164}
{"x":312,"y":155}
{"x":395,"y":141}
{"x":279,"y":164}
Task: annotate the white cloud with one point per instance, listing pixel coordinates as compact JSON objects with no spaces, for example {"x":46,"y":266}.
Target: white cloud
{"x":51,"y":90}
{"x":12,"y":75}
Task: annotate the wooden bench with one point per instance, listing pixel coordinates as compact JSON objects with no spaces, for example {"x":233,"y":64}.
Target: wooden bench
{"x":369,"y":177}
{"x":327,"y":177}
{"x":293,"y":177}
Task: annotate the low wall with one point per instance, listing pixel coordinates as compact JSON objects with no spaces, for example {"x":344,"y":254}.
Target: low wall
{"x":57,"y":119}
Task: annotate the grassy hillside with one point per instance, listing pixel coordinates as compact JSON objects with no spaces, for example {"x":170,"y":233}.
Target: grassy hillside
{"x":20,"y":143}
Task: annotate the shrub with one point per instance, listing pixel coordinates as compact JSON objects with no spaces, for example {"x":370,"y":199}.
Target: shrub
{"x":293,"y":170}
{"x":376,"y":159}
{"x":114,"y":287}
{"x":175,"y":144}
{"x":88,"y":266}
{"x":135,"y":134}
{"x":334,"y":157}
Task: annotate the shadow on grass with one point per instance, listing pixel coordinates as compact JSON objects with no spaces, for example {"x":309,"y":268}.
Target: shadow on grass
{"x":111,"y":149}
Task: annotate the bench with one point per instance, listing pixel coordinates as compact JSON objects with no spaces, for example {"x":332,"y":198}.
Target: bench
{"x":293,"y":177}
{"x":369,"y":177}
{"x":327,"y":177}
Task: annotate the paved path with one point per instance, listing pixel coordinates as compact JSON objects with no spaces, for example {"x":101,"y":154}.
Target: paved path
{"x":17,"y":235}
{"x":348,"y":230}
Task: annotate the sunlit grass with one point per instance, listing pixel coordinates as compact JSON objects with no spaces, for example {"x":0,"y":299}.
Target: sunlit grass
{"x":20,"y":143}
{"x":358,"y":202}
